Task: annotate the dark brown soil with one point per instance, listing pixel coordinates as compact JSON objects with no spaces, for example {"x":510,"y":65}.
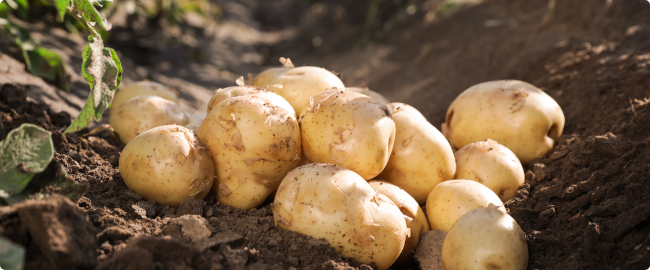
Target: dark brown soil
{"x":585,"y":206}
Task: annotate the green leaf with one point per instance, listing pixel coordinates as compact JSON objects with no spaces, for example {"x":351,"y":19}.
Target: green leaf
{"x":103,"y":71}
{"x":89,"y":13}
{"x":61,"y":7}
{"x":12,"y":256}
{"x":26,"y":151}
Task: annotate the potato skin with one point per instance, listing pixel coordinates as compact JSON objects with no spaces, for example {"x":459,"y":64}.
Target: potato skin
{"x":485,"y":238}
{"x":492,"y":165}
{"x":378,"y":97}
{"x":297,"y":85}
{"x":167,"y":164}
{"x":450,"y":200}
{"x":144,"y":88}
{"x":236,"y":91}
{"x":254,"y":144}
{"x":142,"y":113}
{"x":516,"y":114}
{"x":421,"y":157}
{"x":263,"y":79}
{"x":348,"y":129}
{"x":330,"y":202}
{"x":415,"y":219}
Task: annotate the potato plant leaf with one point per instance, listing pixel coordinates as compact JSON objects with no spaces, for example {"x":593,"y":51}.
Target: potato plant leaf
{"x":89,"y":13}
{"x":12,"y":256}
{"x":103,"y":71}
{"x":26,"y":151}
{"x":61,"y":7}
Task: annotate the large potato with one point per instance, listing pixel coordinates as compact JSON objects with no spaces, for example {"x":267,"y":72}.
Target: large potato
{"x":514,"y":113}
{"x":492,"y":165}
{"x":450,"y":200}
{"x":415,"y":219}
{"x":485,"y":238}
{"x":144,"y":88}
{"x":167,"y":164}
{"x":300,"y":84}
{"x":348,"y":129}
{"x":244,"y":90}
{"x":370,"y":93}
{"x":330,"y":202}
{"x":421,"y":157}
{"x":142,"y":113}
{"x":254,"y":144}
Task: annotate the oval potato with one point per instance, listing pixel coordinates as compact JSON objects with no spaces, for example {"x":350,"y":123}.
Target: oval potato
{"x":299,"y":85}
{"x":263,"y":79}
{"x":236,"y":91}
{"x":142,"y":113}
{"x":144,"y":88}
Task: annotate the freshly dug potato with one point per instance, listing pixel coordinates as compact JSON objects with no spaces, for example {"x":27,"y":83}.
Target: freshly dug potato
{"x":254,"y":144}
{"x":415,"y":219}
{"x":492,"y":165}
{"x":329,"y":202}
{"x":299,"y":85}
{"x":485,"y":238}
{"x":245,"y":90}
{"x":350,"y":130}
{"x":450,"y":200}
{"x":516,"y":114}
{"x":167,"y":164}
{"x":143,"y":88}
{"x":421,"y":157}
{"x":263,"y":79}
{"x":370,"y":93}
{"x":142,"y":113}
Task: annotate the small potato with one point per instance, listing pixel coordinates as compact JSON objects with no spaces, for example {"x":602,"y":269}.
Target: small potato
{"x":492,"y":165}
{"x":244,"y":90}
{"x":263,"y":79}
{"x":421,"y":157}
{"x":144,"y":88}
{"x":450,"y":200}
{"x":370,"y":93}
{"x":298,"y":85}
{"x":415,"y":219}
{"x":329,"y":202}
{"x":350,"y":130}
{"x":167,"y":164}
{"x":485,"y":238}
{"x":142,"y":113}
{"x":516,"y":114}
{"x":254,"y":144}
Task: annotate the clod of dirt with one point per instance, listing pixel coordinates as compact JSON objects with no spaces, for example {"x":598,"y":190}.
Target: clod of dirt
{"x":429,"y":251}
{"x":59,"y":229}
{"x":147,"y":252}
{"x":192,"y":228}
{"x":145,"y":209}
{"x":191,"y":206}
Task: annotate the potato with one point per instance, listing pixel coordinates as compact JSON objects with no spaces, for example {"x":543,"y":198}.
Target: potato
{"x":299,"y":85}
{"x":485,"y":238}
{"x":350,"y":130}
{"x":492,"y":165}
{"x":370,"y":93}
{"x":329,"y":202}
{"x":244,"y":90}
{"x":415,"y":219}
{"x":421,"y":157}
{"x":516,"y":114}
{"x":167,"y":164}
{"x":144,"y":88}
{"x":450,"y":200}
{"x":142,"y":113}
{"x":263,"y":79}
{"x":254,"y":144}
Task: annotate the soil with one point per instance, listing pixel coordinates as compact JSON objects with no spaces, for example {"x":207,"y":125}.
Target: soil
{"x":585,"y":206}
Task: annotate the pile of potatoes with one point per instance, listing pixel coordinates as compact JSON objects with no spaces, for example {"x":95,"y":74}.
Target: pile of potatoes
{"x":345,"y":164}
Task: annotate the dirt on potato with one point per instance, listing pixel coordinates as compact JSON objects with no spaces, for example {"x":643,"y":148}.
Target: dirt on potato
{"x":585,"y":206}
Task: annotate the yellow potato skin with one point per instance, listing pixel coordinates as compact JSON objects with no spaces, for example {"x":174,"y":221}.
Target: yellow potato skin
{"x":329,"y":202}
{"x":266,"y":76}
{"x":167,"y":164}
{"x":348,"y":129}
{"x":421,"y":157}
{"x":516,"y":114}
{"x":415,"y":219}
{"x":236,"y":91}
{"x":492,"y":165}
{"x":297,"y":85}
{"x":142,"y":113}
{"x":485,"y":238}
{"x":450,"y":200}
{"x":144,"y":88}
{"x":370,"y":93}
{"x":254,"y":144}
